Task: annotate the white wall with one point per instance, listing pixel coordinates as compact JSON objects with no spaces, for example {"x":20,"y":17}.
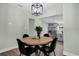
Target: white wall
{"x":12,"y":25}
{"x":3,"y":25}
{"x":44,"y":25}
{"x":71,"y":29}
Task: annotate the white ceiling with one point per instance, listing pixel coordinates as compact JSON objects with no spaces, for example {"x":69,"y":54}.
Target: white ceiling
{"x":48,"y":8}
{"x":52,"y":12}
{"x":53,"y":19}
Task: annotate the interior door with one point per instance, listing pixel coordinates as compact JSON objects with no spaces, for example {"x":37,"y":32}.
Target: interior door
{"x":31,"y":27}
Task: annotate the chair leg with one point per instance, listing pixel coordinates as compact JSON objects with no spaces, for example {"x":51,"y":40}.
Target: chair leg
{"x":54,"y":53}
{"x":46,"y":54}
{"x":39,"y":53}
{"x":36,"y":53}
{"x":20,"y":54}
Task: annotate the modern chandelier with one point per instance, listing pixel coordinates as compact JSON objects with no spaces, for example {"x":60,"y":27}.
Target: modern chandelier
{"x":37,"y":9}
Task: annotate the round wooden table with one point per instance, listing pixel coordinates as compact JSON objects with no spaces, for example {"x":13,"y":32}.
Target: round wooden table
{"x":36,"y":42}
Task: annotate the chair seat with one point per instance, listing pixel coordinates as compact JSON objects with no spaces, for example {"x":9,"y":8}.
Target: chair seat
{"x":46,"y":48}
{"x":30,"y":50}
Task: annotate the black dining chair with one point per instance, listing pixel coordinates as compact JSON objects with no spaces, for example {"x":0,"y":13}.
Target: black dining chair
{"x":25,"y":35}
{"x":49,"y":49}
{"x":25,"y":50}
{"x":46,"y":35}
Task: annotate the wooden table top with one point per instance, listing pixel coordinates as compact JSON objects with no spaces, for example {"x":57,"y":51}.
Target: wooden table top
{"x":36,"y":41}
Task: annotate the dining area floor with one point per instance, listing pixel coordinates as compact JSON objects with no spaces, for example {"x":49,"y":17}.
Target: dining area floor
{"x":15,"y":52}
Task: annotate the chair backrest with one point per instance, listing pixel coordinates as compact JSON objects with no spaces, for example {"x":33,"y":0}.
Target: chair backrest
{"x":53,"y":44}
{"x":25,"y":35}
{"x":21,"y":46}
{"x":46,"y":35}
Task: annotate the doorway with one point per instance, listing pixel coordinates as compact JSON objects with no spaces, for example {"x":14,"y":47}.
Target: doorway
{"x":31,"y":27}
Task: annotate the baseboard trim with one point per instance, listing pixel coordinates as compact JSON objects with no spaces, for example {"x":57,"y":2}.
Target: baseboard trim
{"x":69,"y":53}
{"x":7,"y":49}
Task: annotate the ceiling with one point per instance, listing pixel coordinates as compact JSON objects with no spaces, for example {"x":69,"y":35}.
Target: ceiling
{"x":49,"y":9}
{"x":52,"y":12}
